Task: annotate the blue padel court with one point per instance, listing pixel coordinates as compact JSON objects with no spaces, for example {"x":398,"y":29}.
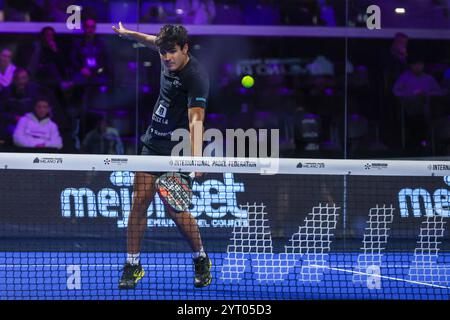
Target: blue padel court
{"x":78,"y":275}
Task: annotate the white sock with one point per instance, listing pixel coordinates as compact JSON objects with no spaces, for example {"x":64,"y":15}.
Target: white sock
{"x":133,"y":258}
{"x":200,"y":253}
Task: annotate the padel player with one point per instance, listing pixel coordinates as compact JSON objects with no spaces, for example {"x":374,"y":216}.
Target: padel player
{"x":181,"y":103}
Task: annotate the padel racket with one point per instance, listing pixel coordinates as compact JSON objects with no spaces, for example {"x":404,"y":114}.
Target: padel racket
{"x":175,"y":190}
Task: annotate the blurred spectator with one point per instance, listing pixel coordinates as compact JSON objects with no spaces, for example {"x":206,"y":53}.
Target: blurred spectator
{"x":6,"y":68}
{"x":2,"y":12}
{"x":48,"y":65}
{"x":24,"y":10}
{"x":446,"y":81}
{"x":358,"y":91}
{"x":92,"y":71}
{"x":18,"y":98}
{"x":52,"y":10}
{"x":321,"y":66}
{"x":327,"y":15}
{"x":36,"y":129}
{"x":415,"y":82}
{"x":307,"y":130}
{"x":414,"y":87}
{"x":229,"y":14}
{"x":395,"y":61}
{"x":103,"y":139}
{"x":300,"y":12}
{"x":57,"y":9}
{"x":196,"y":11}
{"x":321,"y":96}
{"x":155,"y":14}
{"x":321,"y":79}
{"x":89,"y":57}
{"x":261,"y":12}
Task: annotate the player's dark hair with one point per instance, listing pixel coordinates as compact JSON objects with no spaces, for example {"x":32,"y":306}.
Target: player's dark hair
{"x":171,"y":35}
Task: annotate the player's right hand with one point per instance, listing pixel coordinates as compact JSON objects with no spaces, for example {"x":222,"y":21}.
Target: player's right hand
{"x":121,"y":31}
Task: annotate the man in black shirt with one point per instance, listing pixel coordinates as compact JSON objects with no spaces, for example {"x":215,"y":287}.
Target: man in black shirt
{"x":89,"y":58}
{"x":181,"y":104}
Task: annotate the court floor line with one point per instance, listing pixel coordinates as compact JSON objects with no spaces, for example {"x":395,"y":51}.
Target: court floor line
{"x":381,"y":276}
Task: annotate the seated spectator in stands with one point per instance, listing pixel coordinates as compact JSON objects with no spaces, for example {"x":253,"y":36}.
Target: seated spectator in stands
{"x":91,"y":70}
{"x":322,"y":90}
{"x":327,"y":14}
{"x":103,"y":139}
{"x":6,"y":68}
{"x":358,"y":90}
{"x":48,"y":66}
{"x":446,"y":81}
{"x":155,"y":14}
{"x":261,"y":12}
{"x":18,"y":98}
{"x":321,"y":77}
{"x":57,"y":10}
{"x":229,"y":13}
{"x":414,"y":87}
{"x":16,"y":11}
{"x":195,"y":11}
{"x":395,"y":61}
{"x":415,"y":82}
{"x":307,"y":130}
{"x":89,"y":57}
{"x":24,"y":10}
{"x":392,"y":63}
{"x":300,"y":12}
{"x":321,"y":66}
{"x":36,"y":129}
{"x":2,"y":12}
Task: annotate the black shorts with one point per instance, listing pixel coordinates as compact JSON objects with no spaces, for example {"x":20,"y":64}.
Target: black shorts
{"x":147,"y":150}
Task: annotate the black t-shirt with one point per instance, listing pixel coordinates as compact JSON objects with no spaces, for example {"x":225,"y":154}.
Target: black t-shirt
{"x":179,"y":91}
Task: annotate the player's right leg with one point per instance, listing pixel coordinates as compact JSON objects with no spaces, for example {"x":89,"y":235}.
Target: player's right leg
{"x":143,"y":193}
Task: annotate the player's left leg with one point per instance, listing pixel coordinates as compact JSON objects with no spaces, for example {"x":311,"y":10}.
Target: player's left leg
{"x":187,"y":225}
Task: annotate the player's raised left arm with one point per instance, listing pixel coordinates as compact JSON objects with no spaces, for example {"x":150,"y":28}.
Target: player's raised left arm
{"x":146,"y":39}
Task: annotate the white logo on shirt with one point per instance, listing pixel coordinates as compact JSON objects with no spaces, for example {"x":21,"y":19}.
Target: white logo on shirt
{"x":161,"y":111}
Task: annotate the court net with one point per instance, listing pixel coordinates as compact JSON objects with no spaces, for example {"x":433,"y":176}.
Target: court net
{"x":274,"y":229}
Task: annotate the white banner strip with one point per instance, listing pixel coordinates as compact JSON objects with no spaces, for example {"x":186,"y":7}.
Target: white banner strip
{"x":41,"y":161}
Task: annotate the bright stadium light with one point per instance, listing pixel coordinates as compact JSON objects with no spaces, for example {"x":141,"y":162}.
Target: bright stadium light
{"x":400,"y":10}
